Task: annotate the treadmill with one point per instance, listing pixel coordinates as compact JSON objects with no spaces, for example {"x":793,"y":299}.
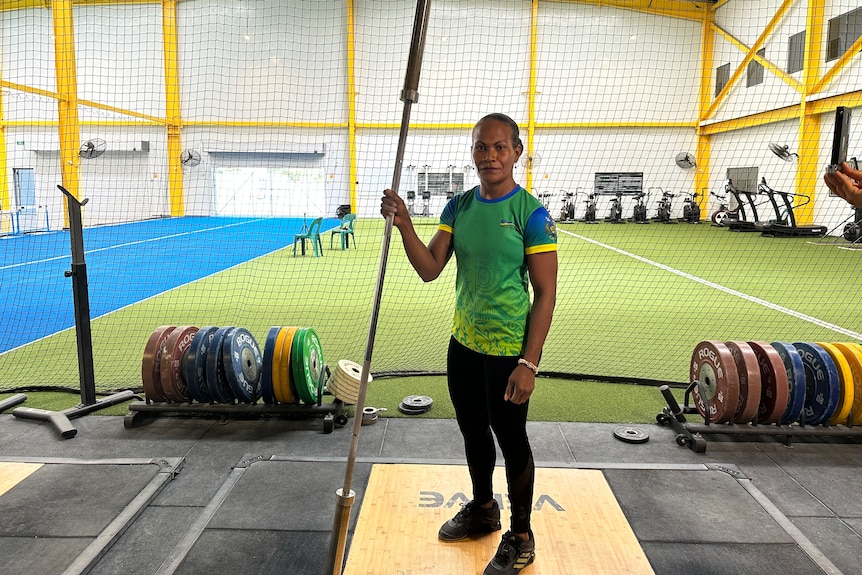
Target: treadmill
{"x":787,"y":226}
{"x":741,"y":224}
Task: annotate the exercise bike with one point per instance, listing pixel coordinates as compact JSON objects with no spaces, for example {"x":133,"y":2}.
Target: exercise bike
{"x":590,"y":212}
{"x":723,"y":214}
{"x":567,"y":213}
{"x":664,"y":207}
{"x":691,"y":209}
{"x":616,"y":213}
{"x":639,"y":212}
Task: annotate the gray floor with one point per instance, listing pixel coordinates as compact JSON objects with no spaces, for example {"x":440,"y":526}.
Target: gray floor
{"x":192,"y":495}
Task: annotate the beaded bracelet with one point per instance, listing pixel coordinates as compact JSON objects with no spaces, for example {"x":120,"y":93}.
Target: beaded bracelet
{"x":530,"y":365}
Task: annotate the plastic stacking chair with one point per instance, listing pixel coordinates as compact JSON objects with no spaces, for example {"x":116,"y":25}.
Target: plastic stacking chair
{"x":345,"y":231}
{"x":313,"y":234}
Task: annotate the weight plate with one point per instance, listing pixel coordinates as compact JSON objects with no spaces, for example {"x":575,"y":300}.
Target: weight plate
{"x":631,"y":434}
{"x":151,"y":363}
{"x":217,"y":384}
{"x":853,"y":354}
{"x":307,"y":363}
{"x":196,"y":364}
{"x":171,"y":367}
{"x":409,"y":410}
{"x":823,"y":385}
{"x":284,"y":391}
{"x":713,"y":365}
{"x":796,"y":381}
{"x":774,"y":387}
{"x":749,"y":380}
{"x":242,"y":359}
{"x":845,"y":379}
{"x":267,"y":392}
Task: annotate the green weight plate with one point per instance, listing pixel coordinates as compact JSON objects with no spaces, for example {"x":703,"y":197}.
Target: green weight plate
{"x":306,"y":364}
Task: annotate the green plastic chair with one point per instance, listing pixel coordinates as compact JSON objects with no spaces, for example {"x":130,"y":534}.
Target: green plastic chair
{"x":345,"y":230}
{"x":313,"y":234}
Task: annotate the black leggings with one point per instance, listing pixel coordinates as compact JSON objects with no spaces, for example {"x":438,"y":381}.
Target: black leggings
{"x":477,"y":383}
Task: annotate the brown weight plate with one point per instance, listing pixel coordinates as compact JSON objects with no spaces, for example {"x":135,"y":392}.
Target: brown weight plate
{"x":713,"y":365}
{"x":774,"y":385}
{"x":749,"y":380}
{"x":171,"y":366}
{"x":151,"y":363}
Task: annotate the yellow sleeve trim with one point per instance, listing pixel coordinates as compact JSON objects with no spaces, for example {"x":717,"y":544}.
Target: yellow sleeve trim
{"x":540,"y":249}
{"x":444,"y":228}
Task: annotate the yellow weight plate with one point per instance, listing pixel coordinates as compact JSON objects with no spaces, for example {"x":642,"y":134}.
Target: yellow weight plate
{"x":276,"y":362}
{"x":285,"y":390}
{"x":853,"y":354}
{"x":845,"y":398}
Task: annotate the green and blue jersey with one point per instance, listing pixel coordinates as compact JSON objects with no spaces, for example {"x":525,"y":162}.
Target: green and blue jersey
{"x":492,"y":239}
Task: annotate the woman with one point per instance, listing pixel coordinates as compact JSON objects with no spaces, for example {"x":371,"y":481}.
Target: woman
{"x":505,"y":241}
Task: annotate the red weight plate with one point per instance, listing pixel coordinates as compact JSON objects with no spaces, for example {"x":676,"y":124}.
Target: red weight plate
{"x":749,"y":380}
{"x":712,"y":365}
{"x":171,"y":366}
{"x":774,"y":385}
{"x":151,"y":363}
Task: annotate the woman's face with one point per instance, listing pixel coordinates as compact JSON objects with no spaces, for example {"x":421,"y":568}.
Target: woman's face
{"x":493,"y":151}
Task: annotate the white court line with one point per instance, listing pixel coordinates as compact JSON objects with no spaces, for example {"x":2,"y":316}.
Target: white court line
{"x":719,"y":287}
{"x":156,"y":239}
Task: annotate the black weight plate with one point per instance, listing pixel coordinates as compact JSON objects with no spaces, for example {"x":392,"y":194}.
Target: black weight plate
{"x":408,"y":410}
{"x":217,"y":384}
{"x":631,"y":434}
{"x":822,"y":383}
{"x":195,"y":366}
{"x":267,"y":391}
{"x":242,"y":361}
{"x":795,"y":380}
{"x":418,"y":402}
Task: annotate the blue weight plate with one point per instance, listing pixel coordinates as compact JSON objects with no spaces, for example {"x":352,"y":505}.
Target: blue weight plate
{"x":267,"y":392}
{"x":795,"y":380}
{"x":217,"y":384}
{"x":242,"y":360}
{"x":195,"y":364}
{"x":823,"y":384}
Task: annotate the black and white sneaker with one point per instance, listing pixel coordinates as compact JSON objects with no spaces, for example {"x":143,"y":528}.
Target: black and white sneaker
{"x":470,"y":520}
{"x":512,"y":555}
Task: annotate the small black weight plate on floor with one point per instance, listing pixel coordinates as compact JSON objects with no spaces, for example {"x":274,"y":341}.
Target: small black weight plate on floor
{"x":713,"y":365}
{"x":151,"y":363}
{"x":306,"y":363}
{"x":631,"y":434}
{"x":795,"y":380}
{"x":217,"y":384}
{"x":242,"y":359}
{"x":267,"y":391}
{"x":195,"y":364}
{"x":823,"y":385}
{"x":172,"y":378}
{"x":415,"y":404}
{"x":774,"y":388}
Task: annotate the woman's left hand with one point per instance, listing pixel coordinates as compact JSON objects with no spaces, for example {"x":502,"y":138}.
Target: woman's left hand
{"x":522,"y":382}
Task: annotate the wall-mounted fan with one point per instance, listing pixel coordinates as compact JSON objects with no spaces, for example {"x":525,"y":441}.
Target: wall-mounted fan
{"x":531,"y":162}
{"x":190,"y":158}
{"x":685,"y":160}
{"x":782,"y":152}
{"x":92,"y":148}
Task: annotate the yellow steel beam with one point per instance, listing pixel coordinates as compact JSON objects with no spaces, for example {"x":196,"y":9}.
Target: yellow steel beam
{"x":825,"y":105}
{"x":837,"y":67}
{"x":703,"y":153}
{"x":767,"y":64}
{"x":760,"y":119}
{"x":672,"y":8}
{"x":807,"y":169}
{"x":531,"y":93}
{"x":6,"y":5}
{"x":176,"y":194}
{"x":5,"y":190}
{"x":67,"y":88}
{"x":352,"y":174}
{"x":770,"y":27}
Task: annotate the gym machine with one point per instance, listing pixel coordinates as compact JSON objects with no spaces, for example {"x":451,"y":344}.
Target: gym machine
{"x":426,"y":203}
{"x":639,"y":212}
{"x":567,"y":213}
{"x":691,"y":209}
{"x":590,"y":212}
{"x":785,"y":224}
{"x":615,"y":216}
{"x":742,"y":224}
{"x":411,"y":202}
{"x":664,"y":207}
{"x":723,"y":214}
